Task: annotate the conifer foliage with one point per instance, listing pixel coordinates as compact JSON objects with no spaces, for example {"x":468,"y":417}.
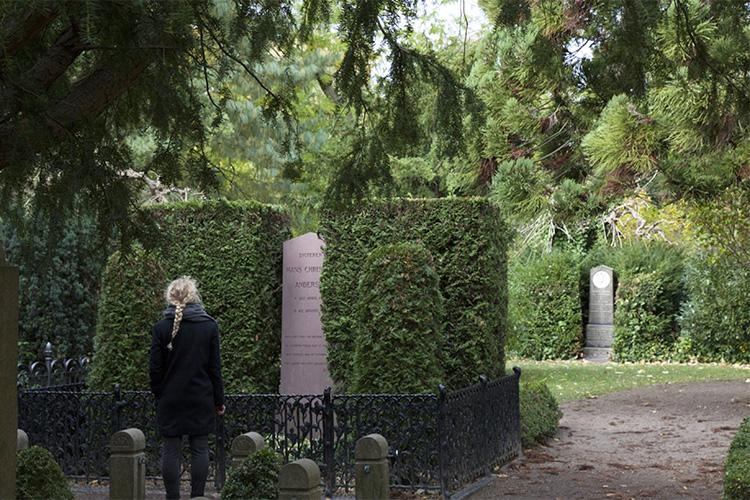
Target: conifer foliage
{"x":612,"y":99}
{"x":83,"y":82}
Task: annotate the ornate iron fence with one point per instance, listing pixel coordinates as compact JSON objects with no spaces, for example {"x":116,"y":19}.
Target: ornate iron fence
{"x":437,"y":441}
{"x":52,"y":372}
{"x":479,"y":428}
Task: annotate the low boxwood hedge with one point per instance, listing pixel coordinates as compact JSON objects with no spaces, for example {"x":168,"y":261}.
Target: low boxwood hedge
{"x":256,"y":478}
{"x":540,"y":414}
{"x":737,"y":468}
{"x":39,"y":476}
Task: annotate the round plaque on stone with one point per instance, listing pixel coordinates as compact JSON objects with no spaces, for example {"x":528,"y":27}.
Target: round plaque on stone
{"x":601,"y":279}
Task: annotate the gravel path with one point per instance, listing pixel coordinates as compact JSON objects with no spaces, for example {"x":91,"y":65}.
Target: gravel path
{"x":662,"y":442}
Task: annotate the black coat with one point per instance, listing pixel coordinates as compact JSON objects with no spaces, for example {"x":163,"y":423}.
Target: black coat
{"x":187,"y":380}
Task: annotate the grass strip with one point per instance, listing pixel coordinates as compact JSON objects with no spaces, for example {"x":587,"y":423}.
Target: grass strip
{"x":574,"y":380}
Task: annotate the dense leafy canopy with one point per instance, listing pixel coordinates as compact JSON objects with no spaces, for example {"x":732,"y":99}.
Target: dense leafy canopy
{"x":93,"y":88}
{"x":586,"y":122}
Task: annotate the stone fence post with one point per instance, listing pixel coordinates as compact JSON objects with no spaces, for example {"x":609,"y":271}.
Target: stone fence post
{"x":22,"y":440}
{"x":245,"y":445}
{"x":371,"y":473}
{"x":127,"y":465}
{"x":299,"y":480}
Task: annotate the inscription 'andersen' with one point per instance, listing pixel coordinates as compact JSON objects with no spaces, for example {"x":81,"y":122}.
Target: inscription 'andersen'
{"x":304,"y":369}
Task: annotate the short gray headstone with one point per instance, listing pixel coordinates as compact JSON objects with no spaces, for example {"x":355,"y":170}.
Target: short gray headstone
{"x":600,"y":328}
{"x":8,"y":367}
{"x":304,"y":367}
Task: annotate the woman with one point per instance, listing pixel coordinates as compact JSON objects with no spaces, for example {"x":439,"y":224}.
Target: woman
{"x":185,"y":371}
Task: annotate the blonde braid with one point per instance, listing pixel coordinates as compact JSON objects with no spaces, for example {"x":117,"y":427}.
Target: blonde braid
{"x":177,"y":320}
{"x":181,"y":292}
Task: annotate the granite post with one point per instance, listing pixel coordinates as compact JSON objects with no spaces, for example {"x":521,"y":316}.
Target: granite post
{"x":299,"y":480}
{"x":127,"y":465}
{"x":245,"y":445}
{"x":600,"y":327}
{"x":8,"y":369}
{"x":371,"y":471}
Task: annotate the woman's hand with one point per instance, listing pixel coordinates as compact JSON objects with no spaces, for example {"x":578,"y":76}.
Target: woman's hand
{"x":220,"y":410}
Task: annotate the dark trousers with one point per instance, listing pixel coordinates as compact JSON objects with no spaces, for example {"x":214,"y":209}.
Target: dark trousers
{"x":170,"y":465}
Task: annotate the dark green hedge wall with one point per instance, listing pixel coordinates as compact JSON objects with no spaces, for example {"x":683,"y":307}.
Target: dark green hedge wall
{"x":468,"y":242}
{"x":400,"y":313}
{"x":545,"y":307}
{"x":715,"y":319}
{"x":649,"y":292}
{"x":131,"y":302}
{"x":60,"y":261}
{"x":234,"y":251}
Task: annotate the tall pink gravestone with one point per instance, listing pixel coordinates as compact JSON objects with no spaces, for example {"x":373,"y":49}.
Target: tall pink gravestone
{"x":304,"y":369}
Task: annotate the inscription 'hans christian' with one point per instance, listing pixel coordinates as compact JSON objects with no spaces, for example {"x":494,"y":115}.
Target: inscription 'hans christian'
{"x":304,"y":369}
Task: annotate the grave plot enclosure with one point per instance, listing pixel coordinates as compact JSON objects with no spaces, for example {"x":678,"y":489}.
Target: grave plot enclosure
{"x":439,"y":442}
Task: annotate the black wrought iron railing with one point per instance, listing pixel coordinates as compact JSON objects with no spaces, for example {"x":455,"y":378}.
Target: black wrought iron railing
{"x":437,"y":441}
{"x":53,"y":372}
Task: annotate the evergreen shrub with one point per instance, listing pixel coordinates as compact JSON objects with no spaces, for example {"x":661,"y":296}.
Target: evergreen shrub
{"x":545,"y":307}
{"x":649,"y":294}
{"x":256,"y":478}
{"x":60,"y":261}
{"x":234,"y":251}
{"x":39,"y":476}
{"x":737,"y":467}
{"x":540,"y":414}
{"x":467,"y":240}
{"x":715,"y":319}
{"x":400,"y":319}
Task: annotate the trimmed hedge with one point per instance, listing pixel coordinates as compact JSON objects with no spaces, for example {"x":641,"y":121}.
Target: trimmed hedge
{"x":256,"y":478}
{"x":400,"y":315}
{"x":39,"y":476}
{"x":545,"y":307}
{"x":715,"y":321}
{"x":540,"y":414}
{"x":131,"y":302}
{"x":234,"y":251}
{"x":647,"y":301}
{"x":467,"y":240}
{"x":737,"y":468}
